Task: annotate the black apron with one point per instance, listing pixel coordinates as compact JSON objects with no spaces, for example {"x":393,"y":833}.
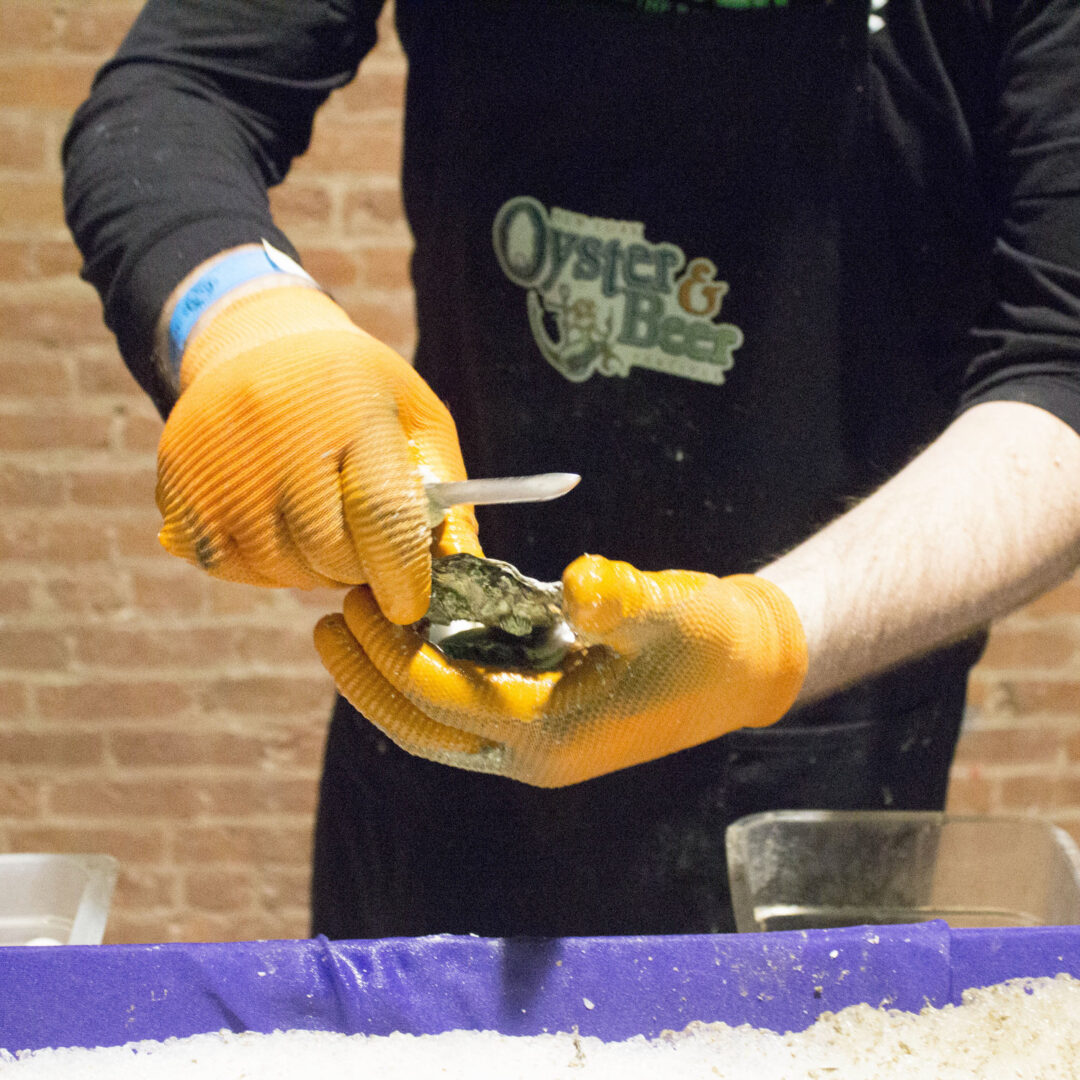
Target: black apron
{"x":638,"y":251}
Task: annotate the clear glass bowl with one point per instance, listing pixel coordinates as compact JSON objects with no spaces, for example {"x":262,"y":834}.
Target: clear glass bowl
{"x":795,"y":869}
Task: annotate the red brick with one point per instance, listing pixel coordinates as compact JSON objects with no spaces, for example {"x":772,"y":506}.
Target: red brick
{"x":1015,"y":697}
{"x":33,"y":373}
{"x":14,"y":699}
{"x":56,"y":747}
{"x":1007,"y":746}
{"x":136,"y":535}
{"x":219,"y":890}
{"x":43,"y":83}
{"x":26,"y":202}
{"x":141,"y":432}
{"x":53,"y":429}
{"x":93,"y":593}
{"x":1064,"y":600}
{"x":361,"y":144}
{"x":35,"y":260}
{"x":15,"y":598}
{"x":386,"y":268}
{"x":182,"y":748}
{"x":136,"y":928}
{"x":27,"y":26}
{"x":19,"y":798}
{"x":157,"y":797}
{"x":285,"y":645}
{"x":283,"y":888}
{"x":255,"y":796}
{"x":124,"y":486}
{"x":319,"y":601}
{"x":1012,"y":647}
{"x":130,"y":844}
{"x":60,"y":538}
{"x":15,"y":257}
{"x":1034,"y":695}
{"x":115,"y":646}
{"x":991,"y":697}
{"x":173,"y":588}
{"x":95,"y":28}
{"x":330,"y":268}
{"x":300,"y":204}
{"x":22,"y":143}
{"x":56,"y":258}
{"x":969,"y":794}
{"x":232,"y":598}
{"x":200,"y":647}
{"x":1040,"y":793}
{"x":391,"y":321}
{"x":375,"y":210}
{"x":26,"y":488}
{"x":268,"y":695}
{"x":297,"y":748}
{"x":240,"y":926}
{"x":86,"y":27}
{"x":32,"y":650}
{"x":52,"y":313}
{"x":1072,"y":745}
{"x":258,"y":845}
{"x":102,"y":699}
{"x":378,"y":86}
{"x":142,"y":888}
{"x":104,"y":372}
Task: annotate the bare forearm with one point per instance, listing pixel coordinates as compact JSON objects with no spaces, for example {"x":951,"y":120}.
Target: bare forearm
{"x":984,"y":519}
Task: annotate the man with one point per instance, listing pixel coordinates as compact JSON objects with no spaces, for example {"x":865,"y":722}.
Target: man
{"x":738,"y":265}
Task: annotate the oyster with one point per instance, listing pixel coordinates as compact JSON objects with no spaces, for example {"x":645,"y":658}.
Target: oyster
{"x":489,"y":612}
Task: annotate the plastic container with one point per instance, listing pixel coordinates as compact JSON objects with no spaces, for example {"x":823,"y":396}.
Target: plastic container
{"x":795,"y":869}
{"x":55,"y":899}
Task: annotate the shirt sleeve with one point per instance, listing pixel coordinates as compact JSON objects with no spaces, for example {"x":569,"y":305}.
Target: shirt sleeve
{"x":168,"y":162}
{"x":1028,"y":348}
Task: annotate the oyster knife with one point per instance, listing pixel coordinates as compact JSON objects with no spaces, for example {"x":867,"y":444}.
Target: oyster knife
{"x":500,"y":489}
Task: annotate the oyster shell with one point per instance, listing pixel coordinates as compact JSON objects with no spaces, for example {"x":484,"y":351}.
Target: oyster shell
{"x":489,"y":612}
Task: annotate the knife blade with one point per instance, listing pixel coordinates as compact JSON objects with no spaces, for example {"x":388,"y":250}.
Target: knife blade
{"x":496,"y":489}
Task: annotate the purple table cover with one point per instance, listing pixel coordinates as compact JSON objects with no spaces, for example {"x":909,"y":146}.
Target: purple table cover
{"x":610,"y":987}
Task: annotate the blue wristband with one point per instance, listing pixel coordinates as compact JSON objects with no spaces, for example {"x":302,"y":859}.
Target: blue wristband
{"x":223,"y":276}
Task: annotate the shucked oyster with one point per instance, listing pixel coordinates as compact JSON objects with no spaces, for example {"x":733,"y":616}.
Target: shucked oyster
{"x":489,"y":612}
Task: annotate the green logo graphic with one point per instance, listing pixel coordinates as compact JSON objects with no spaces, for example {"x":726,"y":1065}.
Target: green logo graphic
{"x":603,"y":299}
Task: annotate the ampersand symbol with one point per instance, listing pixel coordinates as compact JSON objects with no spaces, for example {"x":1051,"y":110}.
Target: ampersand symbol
{"x":699,"y":291}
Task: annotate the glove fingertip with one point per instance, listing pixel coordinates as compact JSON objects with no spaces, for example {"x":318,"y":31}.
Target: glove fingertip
{"x":174,"y":542}
{"x":458,"y":532}
{"x":331,"y":635}
{"x":599,"y":594}
{"x":402,"y":602}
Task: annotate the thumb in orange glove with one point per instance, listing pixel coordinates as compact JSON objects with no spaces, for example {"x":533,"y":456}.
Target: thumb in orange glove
{"x":671,"y":660}
{"x":296,"y":451}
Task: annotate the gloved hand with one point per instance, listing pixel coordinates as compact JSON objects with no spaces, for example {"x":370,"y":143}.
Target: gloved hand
{"x":294,"y":455}
{"x":673,"y":659}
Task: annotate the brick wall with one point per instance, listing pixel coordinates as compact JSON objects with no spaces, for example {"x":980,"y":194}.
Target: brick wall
{"x":177,"y":722}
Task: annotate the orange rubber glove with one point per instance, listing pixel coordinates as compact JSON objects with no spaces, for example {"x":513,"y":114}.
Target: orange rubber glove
{"x":294,"y":455}
{"x":672,"y":659}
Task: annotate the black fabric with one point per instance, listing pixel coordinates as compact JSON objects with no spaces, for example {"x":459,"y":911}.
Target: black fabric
{"x":408,"y":847}
{"x":676,"y":470}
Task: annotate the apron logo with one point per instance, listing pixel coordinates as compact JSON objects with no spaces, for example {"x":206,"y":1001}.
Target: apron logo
{"x":601,"y":298}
